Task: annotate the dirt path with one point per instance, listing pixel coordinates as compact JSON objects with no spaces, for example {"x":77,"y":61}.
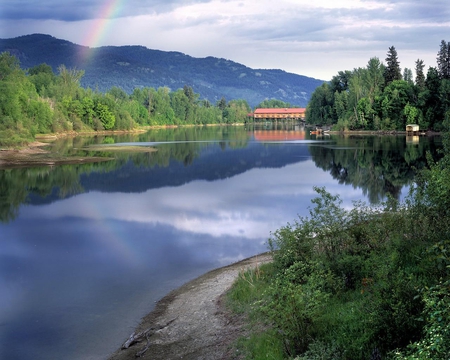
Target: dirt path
{"x":191,"y":322}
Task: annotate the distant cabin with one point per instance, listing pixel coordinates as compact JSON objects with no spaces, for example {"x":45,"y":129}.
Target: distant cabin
{"x":283,"y":113}
{"x":412,"y":128}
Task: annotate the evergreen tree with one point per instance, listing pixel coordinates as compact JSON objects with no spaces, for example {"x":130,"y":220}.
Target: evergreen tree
{"x":392,"y":71}
{"x":420,"y":76}
{"x":189,"y":92}
{"x":443,"y":60}
{"x":222,"y":103}
{"x":408,"y":76}
{"x":432,"y":106}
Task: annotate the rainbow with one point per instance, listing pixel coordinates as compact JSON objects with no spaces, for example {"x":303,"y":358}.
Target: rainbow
{"x":109,"y":10}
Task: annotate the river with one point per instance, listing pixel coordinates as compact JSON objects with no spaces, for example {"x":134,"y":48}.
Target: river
{"x":86,"y":250}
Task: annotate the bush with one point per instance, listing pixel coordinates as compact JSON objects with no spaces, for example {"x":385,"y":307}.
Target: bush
{"x":356,"y":271}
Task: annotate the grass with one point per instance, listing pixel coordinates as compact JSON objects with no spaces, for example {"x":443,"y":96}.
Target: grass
{"x":245,"y":298}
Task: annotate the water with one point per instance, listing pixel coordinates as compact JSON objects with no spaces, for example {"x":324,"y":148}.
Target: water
{"x":86,"y":250}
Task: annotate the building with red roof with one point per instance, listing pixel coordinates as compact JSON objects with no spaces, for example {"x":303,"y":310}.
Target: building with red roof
{"x":283,"y":113}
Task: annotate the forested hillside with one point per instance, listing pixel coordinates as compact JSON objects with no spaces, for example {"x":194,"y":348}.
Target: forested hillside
{"x":382,"y":96}
{"x":39,"y":101}
{"x":130,"y":67}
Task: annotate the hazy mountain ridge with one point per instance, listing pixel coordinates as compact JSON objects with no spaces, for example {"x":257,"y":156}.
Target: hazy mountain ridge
{"x":137,"y":66}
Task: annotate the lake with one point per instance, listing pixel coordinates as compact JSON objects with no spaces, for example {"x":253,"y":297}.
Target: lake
{"x":86,"y":250}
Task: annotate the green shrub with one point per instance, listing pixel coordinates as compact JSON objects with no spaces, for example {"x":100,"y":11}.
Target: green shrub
{"x":435,"y":343}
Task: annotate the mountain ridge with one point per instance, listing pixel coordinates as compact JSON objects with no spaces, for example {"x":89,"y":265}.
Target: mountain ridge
{"x":132,"y":66}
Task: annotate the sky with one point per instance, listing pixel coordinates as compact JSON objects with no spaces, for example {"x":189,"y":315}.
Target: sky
{"x":316,"y":38}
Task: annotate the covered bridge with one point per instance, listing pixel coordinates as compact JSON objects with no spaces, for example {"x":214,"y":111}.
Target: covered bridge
{"x":283,"y":113}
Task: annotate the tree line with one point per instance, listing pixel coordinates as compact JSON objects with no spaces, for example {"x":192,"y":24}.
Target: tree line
{"x":383,"y":97}
{"x":37,"y":101}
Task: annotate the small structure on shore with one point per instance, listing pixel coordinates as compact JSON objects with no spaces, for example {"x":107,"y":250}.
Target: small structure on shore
{"x":412,"y":129}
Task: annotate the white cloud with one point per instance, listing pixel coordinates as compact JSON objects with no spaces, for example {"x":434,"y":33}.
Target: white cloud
{"x":310,"y":38}
{"x":236,"y":207}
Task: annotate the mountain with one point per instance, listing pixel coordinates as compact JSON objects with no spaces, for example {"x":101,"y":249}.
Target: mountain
{"x":129,"y":67}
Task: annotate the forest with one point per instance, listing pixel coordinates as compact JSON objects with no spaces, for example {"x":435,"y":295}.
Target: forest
{"x":383,"y":97}
{"x":38,"y":101}
{"x":366,"y":281}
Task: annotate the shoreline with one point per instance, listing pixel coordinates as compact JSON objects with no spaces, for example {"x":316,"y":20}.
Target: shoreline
{"x":192,"y":322}
{"x":32,"y":154}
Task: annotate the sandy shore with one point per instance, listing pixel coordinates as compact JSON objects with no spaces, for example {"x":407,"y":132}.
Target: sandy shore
{"x":35,"y":155}
{"x":192,"y":322}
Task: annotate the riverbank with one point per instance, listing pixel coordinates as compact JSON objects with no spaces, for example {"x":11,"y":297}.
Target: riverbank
{"x":192,"y":321}
{"x":34,"y":155}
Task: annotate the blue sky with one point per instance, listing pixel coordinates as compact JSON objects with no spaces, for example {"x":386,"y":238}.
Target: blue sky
{"x":313,"y":38}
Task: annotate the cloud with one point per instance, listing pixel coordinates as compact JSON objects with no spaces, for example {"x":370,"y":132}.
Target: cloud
{"x":310,"y":38}
{"x":47,"y":10}
{"x":75,"y":10}
{"x":236,"y":207}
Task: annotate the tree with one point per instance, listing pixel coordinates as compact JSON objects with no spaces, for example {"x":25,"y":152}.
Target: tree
{"x":443,"y":60}
{"x":180,"y":104}
{"x":420,"y":76}
{"x":273,"y":104}
{"x":432,"y":108}
{"x":69,"y":81}
{"x":340,"y":103}
{"x":236,"y":111}
{"x":8,"y":64}
{"x":118,"y":94}
{"x":42,"y":77}
{"x":189,"y":92}
{"x":392,"y":71}
{"x":340,"y":82}
{"x":163,"y":112}
{"x":20,"y":108}
{"x":320,"y":109}
{"x":393,"y":102}
{"x":373,"y":78}
{"x":105,"y":116}
{"x":222,"y":104}
{"x":408,"y":75}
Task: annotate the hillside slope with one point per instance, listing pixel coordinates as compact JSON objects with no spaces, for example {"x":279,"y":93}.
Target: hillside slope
{"x":128,"y":67}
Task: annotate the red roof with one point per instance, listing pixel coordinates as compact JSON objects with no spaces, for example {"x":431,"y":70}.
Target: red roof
{"x":280,"y":111}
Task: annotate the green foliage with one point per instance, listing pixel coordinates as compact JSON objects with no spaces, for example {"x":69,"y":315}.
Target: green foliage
{"x":396,"y":96}
{"x":443,"y":60}
{"x":369,"y":282}
{"x":392,"y":71}
{"x":262,"y":345}
{"x":273,"y":103}
{"x":42,"y":102}
{"x":105,"y":116}
{"x":378,"y":97}
{"x":435,"y":343}
{"x":244,"y":298}
{"x":320,"y":107}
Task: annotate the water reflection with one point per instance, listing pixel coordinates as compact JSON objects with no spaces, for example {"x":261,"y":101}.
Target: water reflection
{"x":87,"y":249}
{"x":379,"y":165}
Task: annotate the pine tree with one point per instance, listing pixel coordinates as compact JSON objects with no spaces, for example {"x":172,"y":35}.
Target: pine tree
{"x":420,"y":76}
{"x":392,"y":71}
{"x":408,"y":75}
{"x":443,"y":60}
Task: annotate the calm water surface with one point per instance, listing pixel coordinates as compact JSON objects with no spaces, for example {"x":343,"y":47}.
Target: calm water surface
{"x":86,"y":250}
